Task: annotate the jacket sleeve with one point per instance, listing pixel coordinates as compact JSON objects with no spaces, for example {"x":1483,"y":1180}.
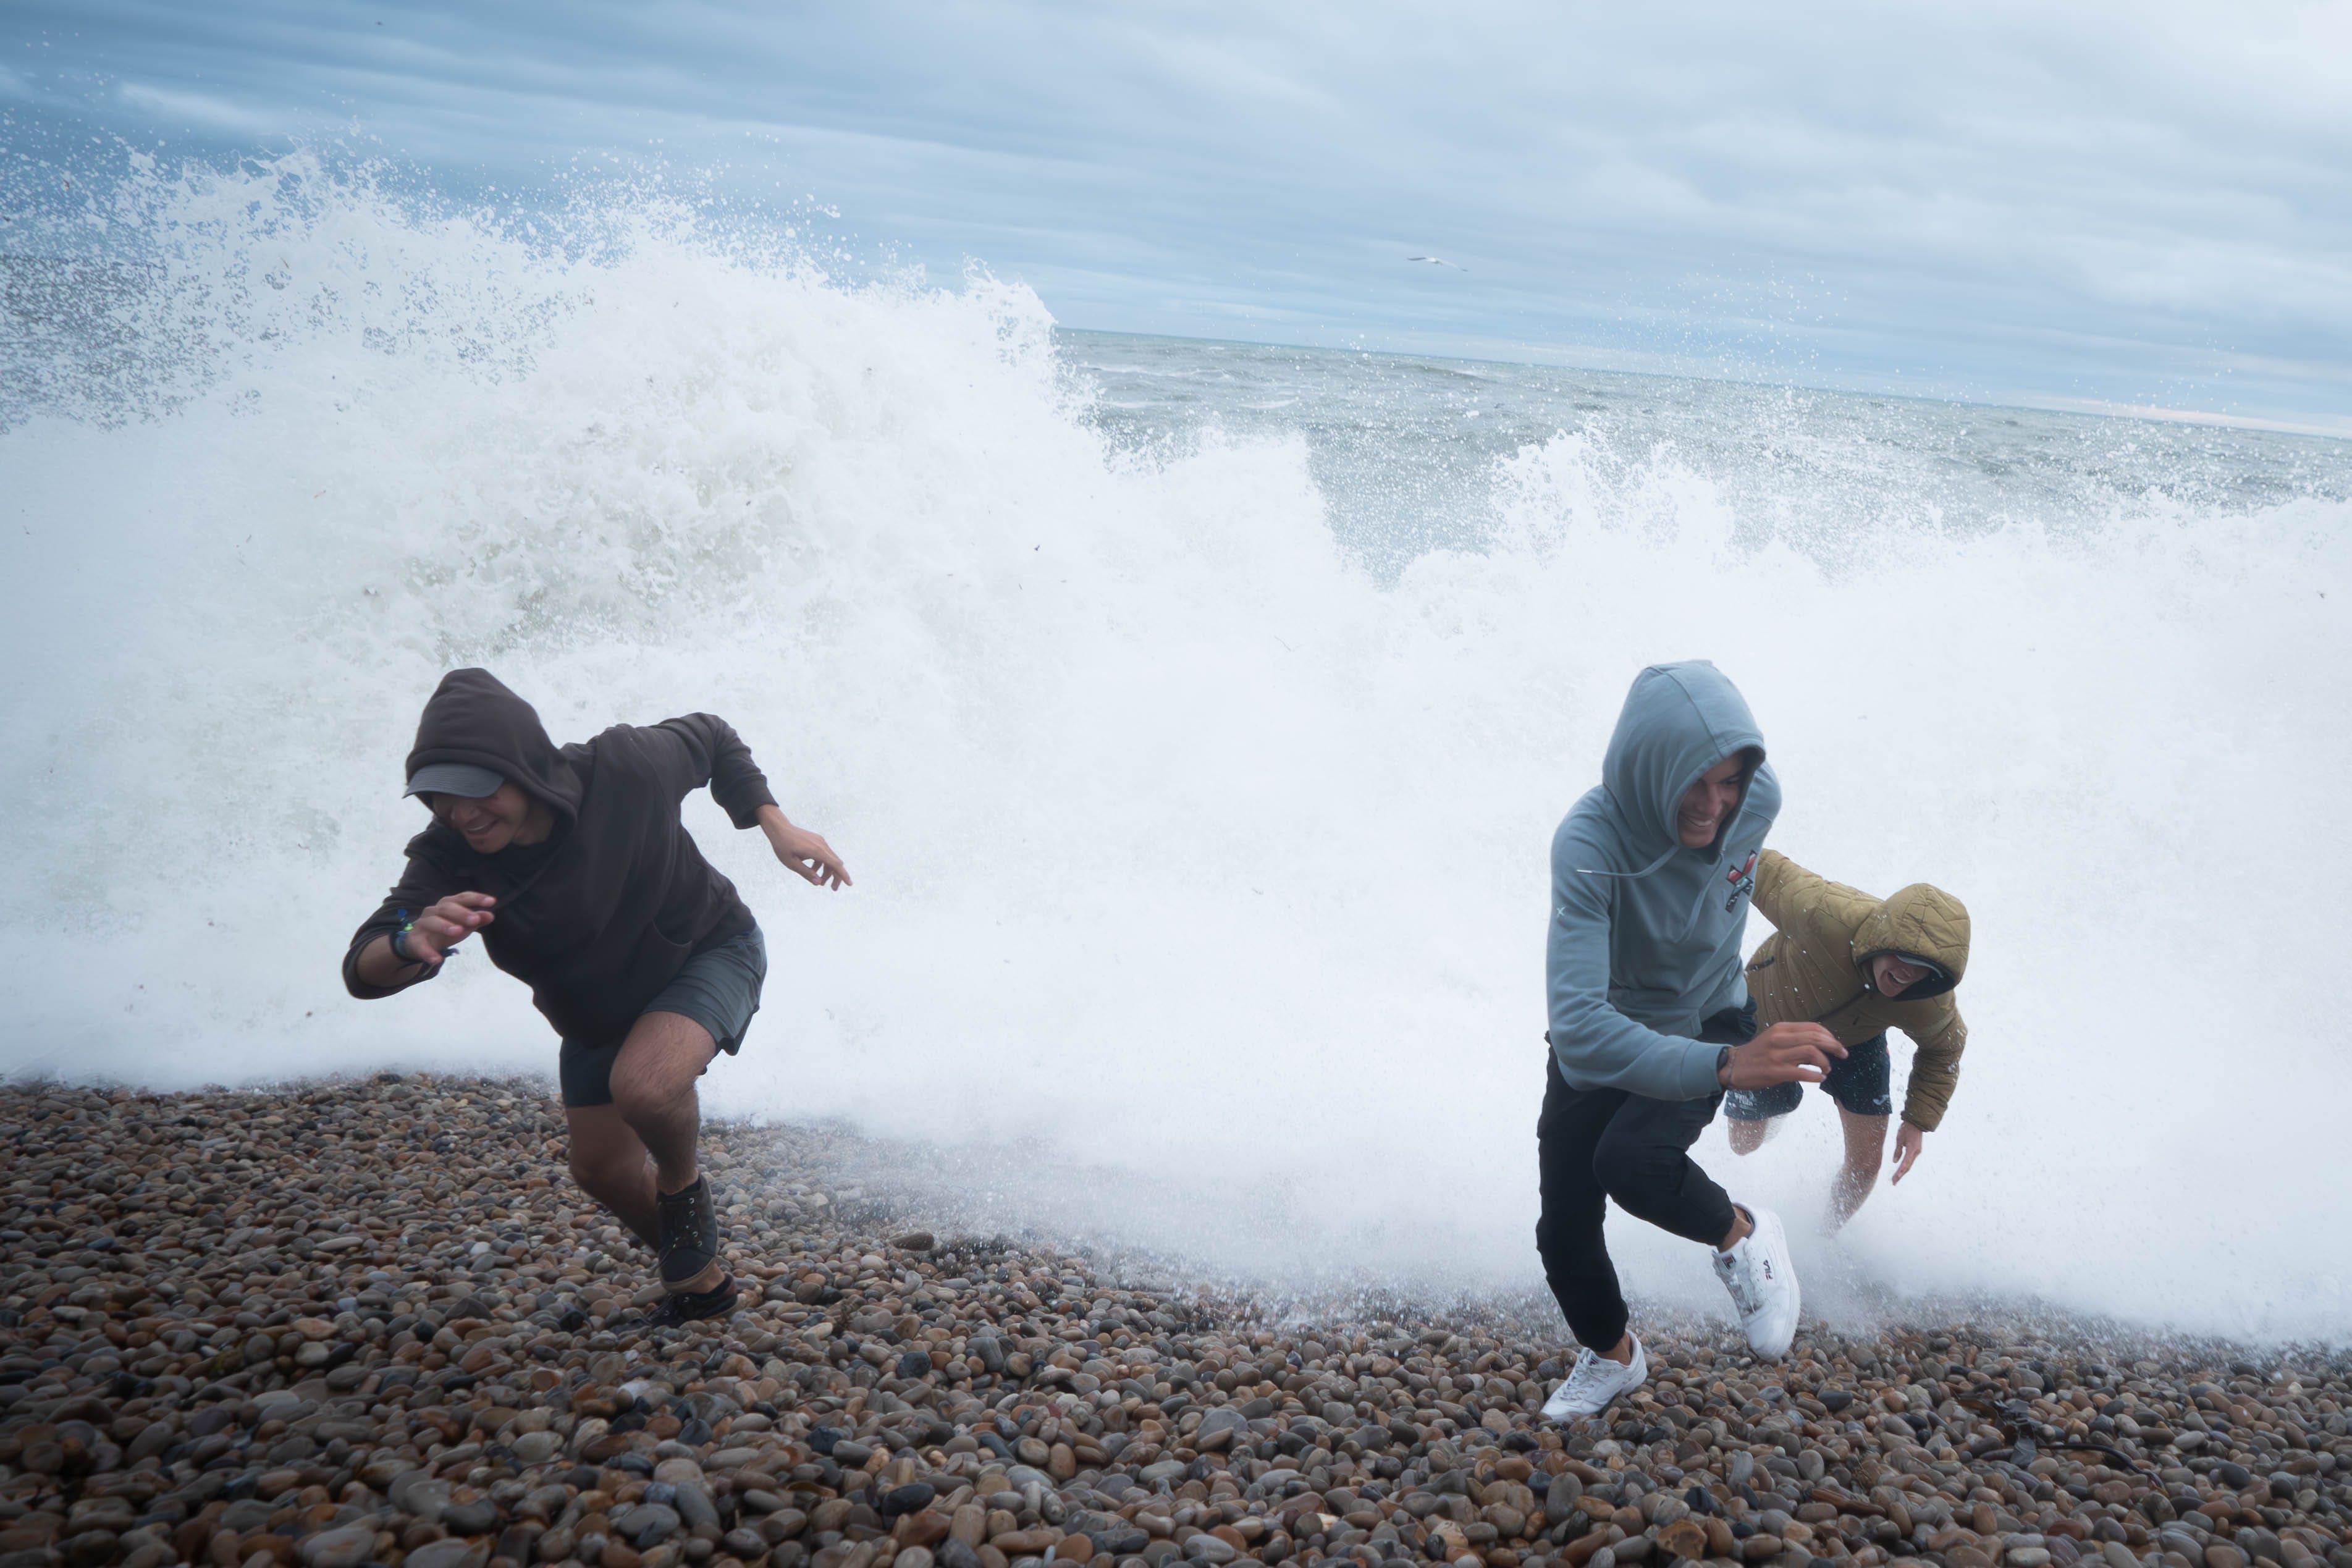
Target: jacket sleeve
{"x":1597,"y":1046}
{"x":703,"y":748}
{"x":1935,"y":1068}
{"x":1783,"y":889}
{"x":424,"y":882}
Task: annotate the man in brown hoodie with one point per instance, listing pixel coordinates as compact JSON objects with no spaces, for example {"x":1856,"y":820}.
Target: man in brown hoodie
{"x":1858,"y":966}
{"x":574,"y":866}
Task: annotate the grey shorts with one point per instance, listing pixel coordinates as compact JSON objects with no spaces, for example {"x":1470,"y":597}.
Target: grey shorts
{"x":718,"y":988}
{"x":1862,"y":1083}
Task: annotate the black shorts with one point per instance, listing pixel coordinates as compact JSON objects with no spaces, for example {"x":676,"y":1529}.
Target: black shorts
{"x":718,"y":988}
{"x":1862,"y":1083}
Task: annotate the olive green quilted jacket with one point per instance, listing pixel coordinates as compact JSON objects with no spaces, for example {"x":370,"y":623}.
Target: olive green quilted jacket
{"x":1815,"y":968}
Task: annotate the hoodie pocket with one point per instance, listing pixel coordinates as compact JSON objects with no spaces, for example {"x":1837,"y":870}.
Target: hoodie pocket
{"x":658,"y":960}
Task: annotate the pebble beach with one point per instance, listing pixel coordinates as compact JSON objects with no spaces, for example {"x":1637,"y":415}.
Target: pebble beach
{"x":373,"y":1322}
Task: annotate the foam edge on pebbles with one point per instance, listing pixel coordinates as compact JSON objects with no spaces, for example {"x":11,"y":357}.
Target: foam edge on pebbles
{"x":354,"y":1323}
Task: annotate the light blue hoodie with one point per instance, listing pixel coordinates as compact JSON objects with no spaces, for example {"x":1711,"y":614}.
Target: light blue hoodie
{"x":1645,"y":934}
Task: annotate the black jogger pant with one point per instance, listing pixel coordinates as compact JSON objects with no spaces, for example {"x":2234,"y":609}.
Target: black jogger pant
{"x":1593,"y":1144}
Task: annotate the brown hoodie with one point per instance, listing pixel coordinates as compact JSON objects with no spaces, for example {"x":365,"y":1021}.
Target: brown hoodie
{"x":599,"y":917}
{"x":1815,"y":968}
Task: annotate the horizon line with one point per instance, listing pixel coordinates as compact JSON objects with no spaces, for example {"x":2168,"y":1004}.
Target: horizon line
{"x":2023,"y":402}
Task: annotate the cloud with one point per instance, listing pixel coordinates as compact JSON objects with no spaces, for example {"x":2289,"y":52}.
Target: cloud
{"x":194,"y":109}
{"x":1965,"y":195}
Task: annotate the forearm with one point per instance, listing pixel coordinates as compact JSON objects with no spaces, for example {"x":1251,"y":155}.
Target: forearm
{"x":1641,"y":1061}
{"x":1598,"y":1047}
{"x":1929,"y":1093}
{"x":1935,"y":1077}
{"x":370,"y":969}
{"x":1925,"y":1100}
{"x":382,"y":972}
{"x":716,"y":755}
{"x":779,"y":829}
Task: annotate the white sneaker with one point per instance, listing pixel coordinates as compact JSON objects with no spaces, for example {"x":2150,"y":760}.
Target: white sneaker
{"x":1762,"y":1283}
{"x":1594,"y":1384}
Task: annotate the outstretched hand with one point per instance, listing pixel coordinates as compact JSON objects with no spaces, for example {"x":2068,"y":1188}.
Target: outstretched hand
{"x":1909,"y":1142}
{"x":1785,"y":1053}
{"x":805,"y":854}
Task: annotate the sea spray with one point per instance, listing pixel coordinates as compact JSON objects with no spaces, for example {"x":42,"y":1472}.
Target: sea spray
{"x":1200,"y":854}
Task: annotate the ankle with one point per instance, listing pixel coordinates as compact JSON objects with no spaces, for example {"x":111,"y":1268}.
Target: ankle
{"x":1622,"y":1354}
{"x":1743,"y":1225}
{"x":670,"y":1183}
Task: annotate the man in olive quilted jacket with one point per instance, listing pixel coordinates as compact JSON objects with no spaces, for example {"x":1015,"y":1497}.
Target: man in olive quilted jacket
{"x":1858,"y":966}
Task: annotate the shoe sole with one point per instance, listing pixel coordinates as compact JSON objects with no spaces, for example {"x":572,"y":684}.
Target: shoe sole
{"x":691,"y":1311}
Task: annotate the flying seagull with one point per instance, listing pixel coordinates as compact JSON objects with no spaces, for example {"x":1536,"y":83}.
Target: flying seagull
{"x":1439,"y":261}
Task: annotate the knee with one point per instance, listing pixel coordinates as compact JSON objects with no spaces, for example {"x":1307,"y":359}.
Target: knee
{"x":1628,"y":1170}
{"x":1614,"y":1167}
{"x":642,"y":1099}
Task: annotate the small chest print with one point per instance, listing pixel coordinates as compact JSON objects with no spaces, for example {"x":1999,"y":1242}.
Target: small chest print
{"x":1743,"y":882}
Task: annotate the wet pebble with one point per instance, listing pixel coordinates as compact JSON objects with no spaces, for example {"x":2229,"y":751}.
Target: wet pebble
{"x":373,"y":1323}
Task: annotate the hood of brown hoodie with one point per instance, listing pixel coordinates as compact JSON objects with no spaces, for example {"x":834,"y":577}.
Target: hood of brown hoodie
{"x":472,"y":717}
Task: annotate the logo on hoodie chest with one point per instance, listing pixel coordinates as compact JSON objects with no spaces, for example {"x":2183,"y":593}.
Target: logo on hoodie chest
{"x":1742,"y":879}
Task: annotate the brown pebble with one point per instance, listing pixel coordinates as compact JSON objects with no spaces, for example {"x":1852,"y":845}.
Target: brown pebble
{"x":213,"y":1279}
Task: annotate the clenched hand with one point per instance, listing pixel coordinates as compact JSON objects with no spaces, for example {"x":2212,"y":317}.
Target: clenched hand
{"x":1785,"y":1053}
{"x":446,"y":925}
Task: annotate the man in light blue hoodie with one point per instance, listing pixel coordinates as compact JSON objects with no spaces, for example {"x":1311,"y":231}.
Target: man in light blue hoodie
{"x":1651,"y":1020}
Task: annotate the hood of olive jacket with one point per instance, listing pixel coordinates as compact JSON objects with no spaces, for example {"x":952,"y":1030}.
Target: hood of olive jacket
{"x":1919,"y":922}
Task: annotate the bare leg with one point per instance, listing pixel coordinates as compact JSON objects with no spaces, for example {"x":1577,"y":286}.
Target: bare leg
{"x":653,"y":1088}
{"x":610,"y":1162}
{"x":1747,"y":1137}
{"x":1865,"y":1143}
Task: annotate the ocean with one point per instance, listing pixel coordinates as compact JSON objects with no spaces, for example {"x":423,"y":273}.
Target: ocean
{"x":1194,"y":717}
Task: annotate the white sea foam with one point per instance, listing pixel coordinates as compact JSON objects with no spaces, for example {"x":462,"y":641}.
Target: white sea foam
{"x":1201,"y":869}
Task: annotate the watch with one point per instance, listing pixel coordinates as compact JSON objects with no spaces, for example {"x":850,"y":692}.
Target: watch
{"x":1722,"y":1065}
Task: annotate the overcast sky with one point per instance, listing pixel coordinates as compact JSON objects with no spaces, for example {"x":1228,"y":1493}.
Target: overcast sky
{"x":2033,"y":200}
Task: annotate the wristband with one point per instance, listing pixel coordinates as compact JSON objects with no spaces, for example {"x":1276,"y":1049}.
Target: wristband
{"x":1723,"y":1066}
{"x":398,"y":951}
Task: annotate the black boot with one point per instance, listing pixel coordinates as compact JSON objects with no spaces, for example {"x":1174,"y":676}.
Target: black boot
{"x":689,"y":1255}
{"x":689,"y":1236}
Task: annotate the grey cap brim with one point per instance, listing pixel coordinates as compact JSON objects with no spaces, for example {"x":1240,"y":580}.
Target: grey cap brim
{"x":461,"y":779}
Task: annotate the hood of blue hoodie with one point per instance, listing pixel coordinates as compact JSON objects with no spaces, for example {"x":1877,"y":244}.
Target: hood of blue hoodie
{"x":1678,"y":916}
{"x":1679,"y":721}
